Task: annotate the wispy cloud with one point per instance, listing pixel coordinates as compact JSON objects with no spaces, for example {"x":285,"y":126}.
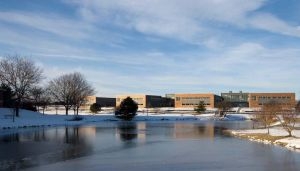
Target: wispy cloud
{"x":190,"y":20}
{"x":51,"y":23}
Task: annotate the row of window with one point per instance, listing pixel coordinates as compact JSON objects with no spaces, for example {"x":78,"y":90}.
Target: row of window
{"x":268,"y":97}
{"x":192,"y":98}
{"x":193,"y":104}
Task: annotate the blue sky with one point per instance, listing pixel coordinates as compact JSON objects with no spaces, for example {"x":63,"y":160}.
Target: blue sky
{"x":160,"y":46}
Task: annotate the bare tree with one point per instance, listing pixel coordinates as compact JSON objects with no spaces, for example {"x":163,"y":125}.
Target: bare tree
{"x":223,"y":106}
{"x":269,"y":113}
{"x":297,"y":107}
{"x":70,"y":89}
{"x":20,"y":74}
{"x":288,"y":118}
{"x":81,"y":89}
{"x":36,"y":95}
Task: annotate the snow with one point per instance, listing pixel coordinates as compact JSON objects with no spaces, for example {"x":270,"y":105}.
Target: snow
{"x":237,"y":117}
{"x":288,"y":142}
{"x":35,"y":119}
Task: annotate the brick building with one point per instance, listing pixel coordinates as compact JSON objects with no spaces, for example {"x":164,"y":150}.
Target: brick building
{"x":147,"y":101}
{"x":192,"y":100}
{"x":102,"y":101}
{"x":259,"y":99}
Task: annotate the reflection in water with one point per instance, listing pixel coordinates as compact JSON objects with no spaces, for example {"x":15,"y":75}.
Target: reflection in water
{"x":156,"y":142}
{"x":26,"y":149}
{"x":129,"y":131}
{"x":192,"y":131}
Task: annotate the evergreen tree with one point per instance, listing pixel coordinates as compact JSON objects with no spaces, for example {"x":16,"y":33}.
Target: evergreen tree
{"x":200,"y":107}
{"x":95,"y":108}
{"x":7,"y":95}
{"x":127,"y":109}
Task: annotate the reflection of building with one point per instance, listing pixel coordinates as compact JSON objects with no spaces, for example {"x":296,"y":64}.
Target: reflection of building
{"x":191,"y":100}
{"x":190,"y":131}
{"x":258,"y":99}
{"x":239,"y":99}
{"x":144,"y":100}
{"x":102,"y":101}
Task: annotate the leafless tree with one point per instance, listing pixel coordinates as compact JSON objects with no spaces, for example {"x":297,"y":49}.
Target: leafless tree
{"x":269,"y":113}
{"x":71,"y":90}
{"x":223,"y":106}
{"x":297,"y":107}
{"x":20,"y":74}
{"x":81,"y":89}
{"x":287,"y":117}
{"x":36,"y":96}
{"x":40,"y":97}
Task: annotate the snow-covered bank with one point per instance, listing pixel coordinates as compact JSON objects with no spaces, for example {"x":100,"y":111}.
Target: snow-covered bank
{"x":35,"y":119}
{"x":277,"y":136}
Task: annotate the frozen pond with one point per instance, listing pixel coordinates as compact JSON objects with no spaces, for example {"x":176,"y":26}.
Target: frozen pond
{"x":136,"y":146}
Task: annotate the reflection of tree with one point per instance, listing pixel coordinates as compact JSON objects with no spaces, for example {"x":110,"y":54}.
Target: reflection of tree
{"x":127,"y":131}
{"x":10,"y":138}
{"x":78,"y":140}
{"x":72,"y":135}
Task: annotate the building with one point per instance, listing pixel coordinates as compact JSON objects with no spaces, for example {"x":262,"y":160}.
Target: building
{"x":257,"y":100}
{"x":171,"y":96}
{"x":146,"y":101}
{"x":238,"y":99}
{"x":102,"y":101}
{"x":191,"y":100}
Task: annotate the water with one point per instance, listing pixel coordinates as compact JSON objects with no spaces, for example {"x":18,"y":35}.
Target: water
{"x":141,"y":146}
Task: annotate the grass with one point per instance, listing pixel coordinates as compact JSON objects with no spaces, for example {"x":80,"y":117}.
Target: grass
{"x":261,"y":137}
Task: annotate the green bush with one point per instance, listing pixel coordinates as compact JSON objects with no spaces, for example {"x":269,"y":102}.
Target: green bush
{"x":200,"y":108}
{"x":127,"y":109}
{"x":95,"y":108}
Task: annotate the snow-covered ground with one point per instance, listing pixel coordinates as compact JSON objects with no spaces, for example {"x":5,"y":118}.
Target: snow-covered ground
{"x":31,"y":119}
{"x":36,"y":119}
{"x":289,"y":142}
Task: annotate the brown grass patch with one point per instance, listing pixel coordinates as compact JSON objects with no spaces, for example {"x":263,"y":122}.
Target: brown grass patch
{"x":260,"y":136}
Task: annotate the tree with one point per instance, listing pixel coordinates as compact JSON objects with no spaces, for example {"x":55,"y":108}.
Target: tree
{"x":36,"y":96}
{"x":268,"y":113}
{"x":81,"y":89}
{"x":7,"y":95}
{"x":200,"y":107}
{"x":223,"y":106}
{"x":95,"y":108}
{"x":127,"y":109}
{"x":71,"y":90}
{"x":287,"y":117}
{"x":297,"y":108}
{"x":20,"y":74}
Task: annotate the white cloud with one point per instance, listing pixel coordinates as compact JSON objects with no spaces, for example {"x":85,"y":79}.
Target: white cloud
{"x":273,"y":24}
{"x":189,"y":20}
{"x":50,"y":23}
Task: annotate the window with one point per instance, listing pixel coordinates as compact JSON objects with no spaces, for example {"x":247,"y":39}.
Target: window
{"x":177,"y":98}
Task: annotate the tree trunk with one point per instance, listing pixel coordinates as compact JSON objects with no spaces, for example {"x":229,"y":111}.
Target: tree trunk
{"x":290,"y":133}
{"x":268,"y":130}
{"x":17,"y":106}
{"x":67,"y":110}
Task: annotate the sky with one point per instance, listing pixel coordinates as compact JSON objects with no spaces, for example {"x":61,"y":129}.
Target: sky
{"x":159,"y":46}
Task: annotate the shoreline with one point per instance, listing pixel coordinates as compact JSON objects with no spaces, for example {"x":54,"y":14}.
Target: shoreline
{"x":276,"y":137}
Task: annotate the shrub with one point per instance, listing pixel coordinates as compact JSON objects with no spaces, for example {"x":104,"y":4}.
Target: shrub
{"x":127,"y":109}
{"x":200,"y":107}
{"x":95,"y":108}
